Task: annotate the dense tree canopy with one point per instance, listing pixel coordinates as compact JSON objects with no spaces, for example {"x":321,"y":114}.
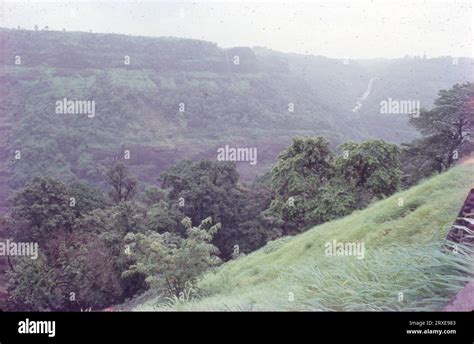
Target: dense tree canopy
{"x":41,"y":210}
{"x":373,"y":167}
{"x":297,"y":178}
{"x":311,"y":186}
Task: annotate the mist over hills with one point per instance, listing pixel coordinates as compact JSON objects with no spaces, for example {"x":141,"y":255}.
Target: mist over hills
{"x":169,"y":99}
{"x":139,"y":165}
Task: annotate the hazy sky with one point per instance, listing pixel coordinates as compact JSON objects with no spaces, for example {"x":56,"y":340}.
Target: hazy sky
{"x":354,"y":28}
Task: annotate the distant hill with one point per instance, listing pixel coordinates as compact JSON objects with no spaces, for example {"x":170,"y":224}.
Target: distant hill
{"x":168,"y":99}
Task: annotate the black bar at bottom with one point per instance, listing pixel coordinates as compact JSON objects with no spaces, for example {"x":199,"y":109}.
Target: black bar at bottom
{"x":447,"y":327}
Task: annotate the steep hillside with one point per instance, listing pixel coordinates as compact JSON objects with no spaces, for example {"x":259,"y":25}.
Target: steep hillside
{"x":403,"y":267}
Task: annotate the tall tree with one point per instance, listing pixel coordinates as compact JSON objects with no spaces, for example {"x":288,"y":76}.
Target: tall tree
{"x":297,"y":178}
{"x":207,"y":189}
{"x":123,"y":184}
{"x":446,"y":131}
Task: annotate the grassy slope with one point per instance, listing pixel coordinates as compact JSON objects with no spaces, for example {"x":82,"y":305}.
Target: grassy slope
{"x":402,"y":255}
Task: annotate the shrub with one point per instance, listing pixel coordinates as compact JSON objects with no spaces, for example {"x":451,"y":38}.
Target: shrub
{"x":171,"y":263}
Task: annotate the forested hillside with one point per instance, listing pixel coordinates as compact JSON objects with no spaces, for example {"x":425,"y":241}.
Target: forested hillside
{"x":169,"y":99}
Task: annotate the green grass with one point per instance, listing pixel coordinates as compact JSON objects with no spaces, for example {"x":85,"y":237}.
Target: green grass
{"x":403,"y":255}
